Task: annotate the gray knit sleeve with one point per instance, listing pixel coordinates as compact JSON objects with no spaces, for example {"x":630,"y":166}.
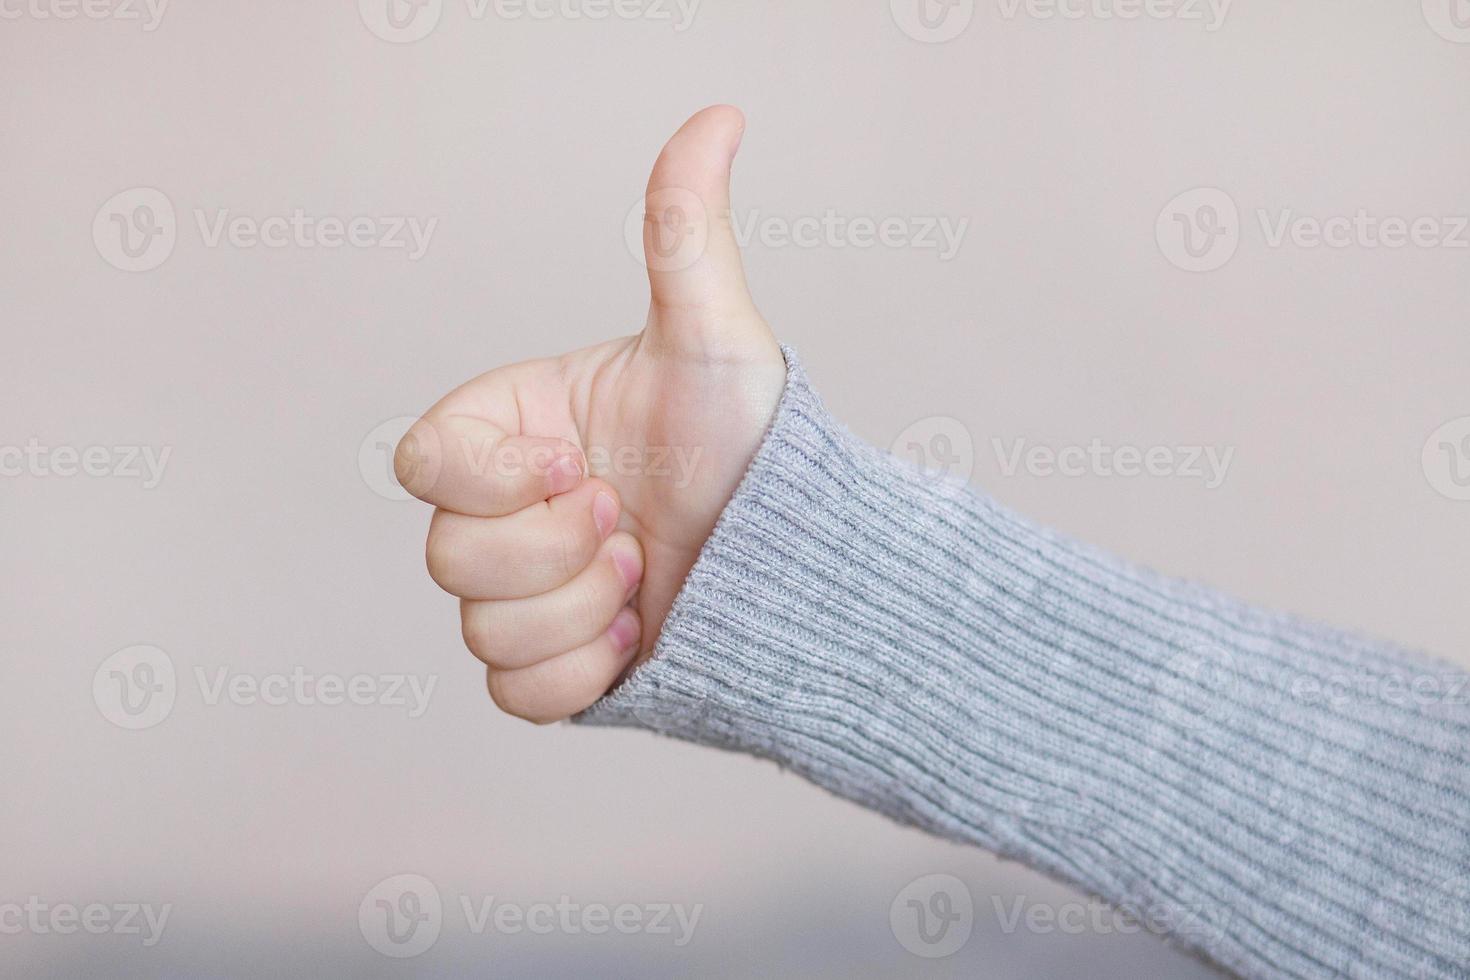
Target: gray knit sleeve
{"x":1288,"y":799}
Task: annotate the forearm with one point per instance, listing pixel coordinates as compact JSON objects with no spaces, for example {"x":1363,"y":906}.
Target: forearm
{"x":922,"y":651}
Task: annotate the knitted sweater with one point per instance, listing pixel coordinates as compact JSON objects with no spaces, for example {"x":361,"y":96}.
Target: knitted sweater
{"x":1288,"y":799}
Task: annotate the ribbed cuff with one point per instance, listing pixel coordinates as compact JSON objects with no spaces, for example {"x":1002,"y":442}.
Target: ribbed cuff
{"x":1214,"y":769}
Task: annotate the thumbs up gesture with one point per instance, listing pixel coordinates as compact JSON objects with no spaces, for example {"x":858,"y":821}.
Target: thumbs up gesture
{"x":573,"y":493}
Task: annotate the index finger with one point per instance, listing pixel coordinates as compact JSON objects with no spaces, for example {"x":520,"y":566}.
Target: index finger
{"x":473,"y":467}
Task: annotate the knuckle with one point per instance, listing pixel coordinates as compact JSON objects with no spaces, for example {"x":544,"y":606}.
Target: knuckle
{"x":495,"y":498}
{"x":486,"y":636}
{"x":515,"y":697}
{"x":584,"y":684}
{"x":566,"y":550}
{"x":502,"y":693}
{"x":522,"y":474}
{"x":581,"y":678}
{"x":474,"y":628}
{"x":502,"y":491}
{"x":589,"y":609}
{"x":447,"y":553}
{"x":436,"y":559}
{"x":443,"y":555}
{"x":415,"y":457}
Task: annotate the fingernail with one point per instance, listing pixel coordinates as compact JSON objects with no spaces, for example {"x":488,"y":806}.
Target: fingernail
{"x":605,"y":512}
{"x":629,"y":568}
{"x":566,"y":473}
{"x":624,"y":630}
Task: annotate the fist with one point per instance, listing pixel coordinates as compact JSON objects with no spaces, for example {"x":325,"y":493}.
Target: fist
{"x":573,"y":493}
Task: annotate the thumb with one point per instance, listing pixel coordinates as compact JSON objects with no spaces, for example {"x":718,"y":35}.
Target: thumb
{"x":699,"y":297}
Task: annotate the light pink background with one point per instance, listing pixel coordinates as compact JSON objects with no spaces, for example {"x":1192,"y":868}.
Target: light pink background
{"x":263,"y":548}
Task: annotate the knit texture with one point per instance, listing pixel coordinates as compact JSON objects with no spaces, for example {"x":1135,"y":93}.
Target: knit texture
{"x":1288,"y":799}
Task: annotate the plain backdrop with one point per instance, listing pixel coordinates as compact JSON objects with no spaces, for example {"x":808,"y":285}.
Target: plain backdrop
{"x":267,"y":545}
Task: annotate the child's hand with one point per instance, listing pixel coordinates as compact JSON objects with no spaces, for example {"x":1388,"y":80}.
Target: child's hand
{"x":574,"y":493}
